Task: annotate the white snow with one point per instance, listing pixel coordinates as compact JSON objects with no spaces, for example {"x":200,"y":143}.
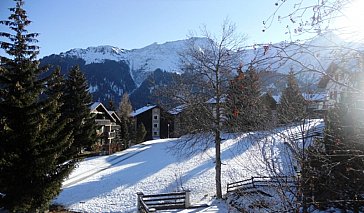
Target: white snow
{"x":315,"y":96}
{"x":97,"y":54}
{"x":110,"y":183}
{"x":141,"y":110}
{"x":93,"y":89}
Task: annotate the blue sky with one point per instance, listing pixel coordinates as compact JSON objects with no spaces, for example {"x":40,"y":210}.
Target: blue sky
{"x":130,"y":24}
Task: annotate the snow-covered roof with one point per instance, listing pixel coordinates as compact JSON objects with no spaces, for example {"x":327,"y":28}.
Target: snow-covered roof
{"x":141,"y":110}
{"x":94,"y":107}
{"x":306,"y":96}
{"x":314,"y":96}
{"x":177,"y":109}
{"x":114,"y":114}
{"x":277,"y":98}
{"x":213,"y":100}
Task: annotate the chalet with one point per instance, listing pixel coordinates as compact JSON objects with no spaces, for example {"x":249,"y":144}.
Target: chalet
{"x":156,"y":121}
{"x":182,"y":113}
{"x":346,"y":87}
{"x":315,"y":102}
{"x":108,"y":130}
{"x":178,"y":121}
{"x":335,"y":84}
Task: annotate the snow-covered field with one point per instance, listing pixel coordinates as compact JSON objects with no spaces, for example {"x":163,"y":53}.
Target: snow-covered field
{"x":110,"y":183}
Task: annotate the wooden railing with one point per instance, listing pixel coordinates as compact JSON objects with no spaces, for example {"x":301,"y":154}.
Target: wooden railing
{"x":255,"y":182}
{"x":110,"y":135}
{"x":103,"y":122}
{"x":152,"y":203}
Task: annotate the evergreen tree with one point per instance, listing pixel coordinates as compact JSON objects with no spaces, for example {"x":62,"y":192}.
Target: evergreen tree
{"x":140,"y":133}
{"x":127,"y":124}
{"x":77,"y":100}
{"x":125,"y":132}
{"x":125,"y":107}
{"x":247,"y":111}
{"x":269,"y":104}
{"x":32,"y":134}
{"x":292,"y":103}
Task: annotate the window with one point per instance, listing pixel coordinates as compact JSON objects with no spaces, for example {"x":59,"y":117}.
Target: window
{"x":155,"y":133}
{"x":155,"y":117}
{"x":155,"y":125}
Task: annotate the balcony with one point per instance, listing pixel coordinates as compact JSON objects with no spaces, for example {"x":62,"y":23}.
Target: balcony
{"x":103,"y":122}
{"x":110,"y":135}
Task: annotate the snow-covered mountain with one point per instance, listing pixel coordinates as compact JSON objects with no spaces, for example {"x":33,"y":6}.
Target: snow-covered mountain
{"x":97,"y":54}
{"x":142,"y":61}
{"x":281,"y":57}
{"x":136,"y":65}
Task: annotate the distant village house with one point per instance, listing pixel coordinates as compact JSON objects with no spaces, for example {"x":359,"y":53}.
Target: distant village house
{"x":108,"y":128}
{"x":156,"y":121}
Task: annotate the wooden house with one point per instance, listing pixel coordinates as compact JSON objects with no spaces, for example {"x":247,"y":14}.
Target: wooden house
{"x":178,"y":120}
{"x":335,"y":84}
{"x":156,"y":121}
{"x":108,"y":130}
{"x":315,"y":103}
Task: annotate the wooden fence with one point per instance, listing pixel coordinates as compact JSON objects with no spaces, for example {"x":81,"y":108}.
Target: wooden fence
{"x":254,"y":182}
{"x":152,"y":203}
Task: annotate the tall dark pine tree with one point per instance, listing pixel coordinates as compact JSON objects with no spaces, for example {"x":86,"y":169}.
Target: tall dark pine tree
{"x":127,"y":125}
{"x":140,"y":133}
{"x":32,"y":133}
{"x":77,"y":101}
{"x":292,"y":103}
{"x":246,"y":109}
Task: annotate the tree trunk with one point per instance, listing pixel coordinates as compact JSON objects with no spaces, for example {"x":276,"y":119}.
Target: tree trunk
{"x":218,"y":164}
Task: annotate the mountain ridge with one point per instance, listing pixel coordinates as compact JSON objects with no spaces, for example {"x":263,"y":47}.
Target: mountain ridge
{"x":112,"y":71}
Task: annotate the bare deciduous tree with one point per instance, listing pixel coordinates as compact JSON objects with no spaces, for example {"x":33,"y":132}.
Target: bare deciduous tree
{"x":208,"y":65}
{"x":315,"y":58}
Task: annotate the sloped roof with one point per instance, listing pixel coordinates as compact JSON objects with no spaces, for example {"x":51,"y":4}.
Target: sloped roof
{"x":94,"y":107}
{"x":177,"y":109}
{"x":277,"y":98}
{"x":306,"y":96}
{"x":314,"y":96}
{"x":213,"y":100}
{"x":141,"y":110}
{"x":115,"y":115}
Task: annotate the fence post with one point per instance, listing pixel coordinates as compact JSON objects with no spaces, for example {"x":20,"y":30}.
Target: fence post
{"x":140,"y":197}
{"x":187,"y":198}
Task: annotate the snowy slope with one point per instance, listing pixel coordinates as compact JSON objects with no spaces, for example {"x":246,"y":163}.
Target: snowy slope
{"x":110,"y":183}
{"x":97,"y":54}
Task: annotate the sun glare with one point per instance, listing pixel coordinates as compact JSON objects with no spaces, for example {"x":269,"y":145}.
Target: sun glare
{"x":350,"y":25}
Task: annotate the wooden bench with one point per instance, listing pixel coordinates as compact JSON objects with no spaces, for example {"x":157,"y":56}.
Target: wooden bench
{"x":154,"y":202}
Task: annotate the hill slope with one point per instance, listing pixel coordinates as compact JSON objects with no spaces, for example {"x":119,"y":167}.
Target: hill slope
{"x":110,"y":183}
